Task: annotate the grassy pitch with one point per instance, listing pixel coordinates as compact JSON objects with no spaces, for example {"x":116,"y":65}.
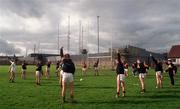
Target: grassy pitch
{"x":90,"y":93}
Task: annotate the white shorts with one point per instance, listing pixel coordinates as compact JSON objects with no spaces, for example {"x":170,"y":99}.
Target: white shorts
{"x":67,"y":77}
{"x":61,"y":72}
{"x":13,"y":70}
{"x":84,"y":69}
{"x":38,"y":73}
{"x":142,"y":75}
{"x":95,"y":68}
{"x":47,"y":69}
{"x":159,"y":73}
{"x":120,"y":77}
{"x":126,"y":70}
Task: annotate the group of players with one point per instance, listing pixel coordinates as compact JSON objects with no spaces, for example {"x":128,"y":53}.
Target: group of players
{"x":65,"y":70}
{"x":141,"y":68}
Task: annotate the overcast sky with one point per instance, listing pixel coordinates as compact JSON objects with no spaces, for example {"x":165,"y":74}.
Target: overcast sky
{"x":150,"y":24}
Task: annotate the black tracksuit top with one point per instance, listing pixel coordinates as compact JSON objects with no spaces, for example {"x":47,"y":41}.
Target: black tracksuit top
{"x":158,"y":65}
{"x":120,"y":68}
{"x":141,"y":68}
{"x":68,"y":66}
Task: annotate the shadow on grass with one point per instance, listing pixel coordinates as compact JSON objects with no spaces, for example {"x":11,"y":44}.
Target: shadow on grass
{"x":121,"y":101}
{"x":169,"y":91}
{"x":167,"y":97}
{"x":95,"y":87}
{"x":134,"y":100}
{"x":92,"y":75}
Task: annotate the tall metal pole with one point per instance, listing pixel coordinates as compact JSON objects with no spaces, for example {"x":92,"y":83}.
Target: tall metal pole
{"x":112,"y":51}
{"x":68,"y":36}
{"x":34,"y":52}
{"x":38,"y":47}
{"x":98,"y":31}
{"x":26,"y":52}
{"x":87,"y":44}
{"x":58,"y":41}
{"x":82,"y":38}
{"x":79,"y":37}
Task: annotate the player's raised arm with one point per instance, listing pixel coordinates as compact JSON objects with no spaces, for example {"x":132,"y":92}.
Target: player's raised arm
{"x":97,"y":61}
{"x":10,"y":61}
{"x":61,"y":52}
{"x":154,"y":60}
{"x":119,"y":57}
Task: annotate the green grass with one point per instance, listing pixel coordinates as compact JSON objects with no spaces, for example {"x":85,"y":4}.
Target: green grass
{"x":91,"y":93}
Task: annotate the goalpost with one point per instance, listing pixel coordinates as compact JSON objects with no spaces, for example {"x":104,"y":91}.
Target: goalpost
{"x":104,"y":61}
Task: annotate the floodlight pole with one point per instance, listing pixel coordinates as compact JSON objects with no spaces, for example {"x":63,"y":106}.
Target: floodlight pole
{"x":58,"y":41}
{"x":34,"y":52}
{"x":68,"y":36}
{"x":82,"y":38}
{"x":111,"y":49}
{"x":98,"y":32}
{"x":79,"y":37}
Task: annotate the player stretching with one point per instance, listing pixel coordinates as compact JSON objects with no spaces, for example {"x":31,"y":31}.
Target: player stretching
{"x":96,"y":69}
{"x":84,"y":69}
{"x":48,"y":69}
{"x":24,"y":67}
{"x":68,"y":68}
{"x":12,"y":70}
{"x":39,"y":73}
{"x":60,"y":66}
{"x":120,"y":76}
{"x":142,"y":73}
{"x":159,"y":71}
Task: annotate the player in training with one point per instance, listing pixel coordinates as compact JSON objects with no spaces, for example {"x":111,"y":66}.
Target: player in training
{"x":23,"y":67}
{"x":120,"y":76}
{"x":39,"y":73}
{"x":12,"y":71}
{"x":159,"y":71}
{"x":48,"y":66}
{"x":68,"y":68}
{"x":96,"y":69}
{"x":171,"y":69}
{"x":134,"y":69}
{"x":126,"y":68}
{"x":60,"y":66}
{"x":146,"y":67}
{"x":57,"y":68}
{"x":84,"y":69}
{"x":141,"y":68}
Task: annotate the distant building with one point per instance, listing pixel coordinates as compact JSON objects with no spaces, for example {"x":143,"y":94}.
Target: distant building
{"x":4,"y":60}
{"x":174,"y":54}
{"x":106,"y":60}
{"x":128,"y":53}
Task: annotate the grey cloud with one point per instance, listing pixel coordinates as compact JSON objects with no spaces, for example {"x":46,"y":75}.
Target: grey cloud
{"x":6,"y":48}
{"x":25,"y":8}
{"x":143,"y":23}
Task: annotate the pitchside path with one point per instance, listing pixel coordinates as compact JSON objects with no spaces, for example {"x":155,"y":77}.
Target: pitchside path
{"x":91,"y":93}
